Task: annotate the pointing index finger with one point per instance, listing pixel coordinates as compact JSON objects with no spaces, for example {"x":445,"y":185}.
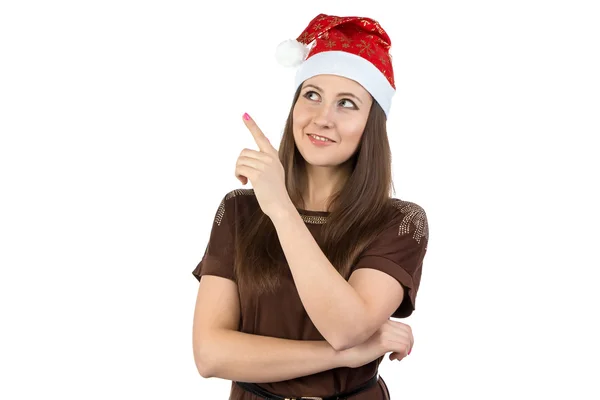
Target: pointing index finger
{"x":259,"y":137}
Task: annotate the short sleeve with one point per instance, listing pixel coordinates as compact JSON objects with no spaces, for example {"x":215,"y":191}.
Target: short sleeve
{"x":399,"y":252}
{"x":218,"y":257}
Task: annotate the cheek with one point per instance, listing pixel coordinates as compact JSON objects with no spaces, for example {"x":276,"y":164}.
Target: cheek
{"x":353,"y":130}
{"x":299,"y":111}
{"x":301,"y":117}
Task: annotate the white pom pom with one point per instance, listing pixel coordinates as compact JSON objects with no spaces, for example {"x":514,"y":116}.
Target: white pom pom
{"x":291,"y":53}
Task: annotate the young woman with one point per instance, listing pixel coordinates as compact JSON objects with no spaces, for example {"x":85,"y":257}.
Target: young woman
{"x":303,"y":272}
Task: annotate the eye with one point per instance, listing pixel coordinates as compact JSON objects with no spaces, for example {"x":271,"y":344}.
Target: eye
{"x":309,"y":93}
{"x":352,"y":105}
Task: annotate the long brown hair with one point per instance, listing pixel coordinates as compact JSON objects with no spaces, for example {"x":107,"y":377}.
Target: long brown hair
{"x":358,"y":211}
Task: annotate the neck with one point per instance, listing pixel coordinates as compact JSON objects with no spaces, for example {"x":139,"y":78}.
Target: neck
{"x":322,"y":182}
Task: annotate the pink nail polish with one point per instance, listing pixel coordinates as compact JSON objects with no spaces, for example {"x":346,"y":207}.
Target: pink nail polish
{"x":246,"y":117}
{"x":409,"y":351}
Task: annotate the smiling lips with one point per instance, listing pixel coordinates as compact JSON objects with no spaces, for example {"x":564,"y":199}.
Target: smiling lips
{"x":317,"y":137}
{"x":319,"y":143}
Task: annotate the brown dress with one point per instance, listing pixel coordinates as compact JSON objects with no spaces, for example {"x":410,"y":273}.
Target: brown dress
{"x":399,"y":251}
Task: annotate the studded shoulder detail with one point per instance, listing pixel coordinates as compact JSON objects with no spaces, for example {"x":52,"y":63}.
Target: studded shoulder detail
{"x":233,"y":193}
{"x":415,"y":214}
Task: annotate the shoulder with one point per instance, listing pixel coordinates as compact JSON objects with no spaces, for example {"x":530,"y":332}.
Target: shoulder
{"x":237,"y":201}
{"x":237,"y":194}
{"x":410,"y":219}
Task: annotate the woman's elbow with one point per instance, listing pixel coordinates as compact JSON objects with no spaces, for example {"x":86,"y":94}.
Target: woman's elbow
{"x":202,"y":360}
{"x":344,"y":342}
{"x":342,"y":347}
{"x":354,"y":339}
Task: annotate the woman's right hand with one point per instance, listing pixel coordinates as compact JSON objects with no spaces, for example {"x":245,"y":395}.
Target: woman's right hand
{"x":392,"y":336}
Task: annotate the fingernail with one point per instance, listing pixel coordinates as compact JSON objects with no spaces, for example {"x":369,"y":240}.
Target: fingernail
{"x":246,"y":117}
{"x":409,"y":351}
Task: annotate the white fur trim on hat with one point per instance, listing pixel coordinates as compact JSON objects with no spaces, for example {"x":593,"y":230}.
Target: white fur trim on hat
{"x":352,"y":67}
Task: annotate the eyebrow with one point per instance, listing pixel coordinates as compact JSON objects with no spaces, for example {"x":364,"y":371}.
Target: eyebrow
{"x":339,"y":94}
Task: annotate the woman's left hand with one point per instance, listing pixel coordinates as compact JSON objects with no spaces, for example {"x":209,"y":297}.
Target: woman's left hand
{"x":265,"y":172}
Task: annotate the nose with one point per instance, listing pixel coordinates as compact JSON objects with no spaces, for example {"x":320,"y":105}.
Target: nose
{"x":324,"y":117}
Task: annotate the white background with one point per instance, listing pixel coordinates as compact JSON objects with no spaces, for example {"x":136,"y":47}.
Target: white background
{"x":120,"y":127}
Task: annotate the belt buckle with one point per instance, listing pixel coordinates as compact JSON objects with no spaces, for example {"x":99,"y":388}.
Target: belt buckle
{"x":303,"y":398}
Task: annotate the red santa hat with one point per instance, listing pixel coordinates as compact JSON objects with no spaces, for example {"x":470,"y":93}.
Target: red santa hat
{"x":353,"y":47}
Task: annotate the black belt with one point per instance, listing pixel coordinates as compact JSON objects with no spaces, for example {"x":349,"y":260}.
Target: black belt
{"x":260,"y":392}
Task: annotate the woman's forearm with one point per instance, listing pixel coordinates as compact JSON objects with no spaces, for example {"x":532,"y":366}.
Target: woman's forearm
{"x":245,"y":357}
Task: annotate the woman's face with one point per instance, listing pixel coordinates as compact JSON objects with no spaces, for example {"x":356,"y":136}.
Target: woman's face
{"x":334,"y":107}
